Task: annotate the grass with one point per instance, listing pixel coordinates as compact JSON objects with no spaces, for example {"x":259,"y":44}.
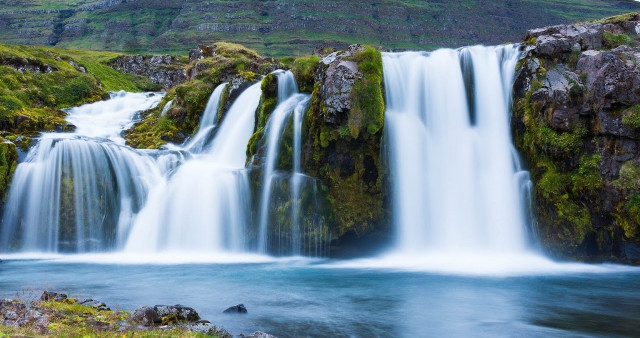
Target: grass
{"x":164,"y":25}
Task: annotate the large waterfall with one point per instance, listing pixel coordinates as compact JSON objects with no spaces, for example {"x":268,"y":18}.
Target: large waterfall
{"x":457,"y":186}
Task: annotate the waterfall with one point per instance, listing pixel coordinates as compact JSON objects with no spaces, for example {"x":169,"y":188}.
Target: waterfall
{"x":79,"y":191}
{"x":457,"y":186}
{"x":203,"y":206}
{"x":207,"y":122}
{"x":280,"y":215}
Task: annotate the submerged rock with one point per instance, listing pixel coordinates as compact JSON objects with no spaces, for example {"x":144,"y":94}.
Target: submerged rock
{"x":236,"y":309}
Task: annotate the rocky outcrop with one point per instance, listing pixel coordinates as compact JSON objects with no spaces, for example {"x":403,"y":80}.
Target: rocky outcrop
{"x":166,"y":70}
{"x":577,"y":122}
{"x":344,"y":143}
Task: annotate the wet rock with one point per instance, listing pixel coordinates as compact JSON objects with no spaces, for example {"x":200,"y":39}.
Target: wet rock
{"x":100,"y":306}
{"x":236,"y":309}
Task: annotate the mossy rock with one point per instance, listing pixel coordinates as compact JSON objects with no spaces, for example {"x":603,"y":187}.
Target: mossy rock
{"x":8,"y":163}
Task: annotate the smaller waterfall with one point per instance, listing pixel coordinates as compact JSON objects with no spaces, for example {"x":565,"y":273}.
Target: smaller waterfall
{"x":79,"y":191}
{"x":166,"y":108}
{"x":203,"y":206}
{"x":207,"y":122}
{"x":280,"y":229}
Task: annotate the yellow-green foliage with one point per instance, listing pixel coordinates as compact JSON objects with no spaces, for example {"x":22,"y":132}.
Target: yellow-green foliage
{"x":303,"y":69}
{"x":586,"y":179}
{"x":232,"y":50}
{"x":367,"y":108}
{"x":611,"y":40}
{"x":631,"y":117}
{"x":154,"y":130}
{"x":617,"y":19}
{"x":629,"y":217}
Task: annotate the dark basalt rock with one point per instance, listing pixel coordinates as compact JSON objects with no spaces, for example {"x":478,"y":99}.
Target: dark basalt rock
{"x":572,"y":94}
{"x":236,"y":309}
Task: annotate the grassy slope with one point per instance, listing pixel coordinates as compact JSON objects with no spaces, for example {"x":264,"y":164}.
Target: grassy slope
{"x":31,"y":101}
{"x":288,"y":27}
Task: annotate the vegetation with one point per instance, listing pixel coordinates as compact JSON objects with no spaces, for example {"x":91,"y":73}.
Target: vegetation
{"x":223,"y":62}
{"x":631,"y":117}
{"x":169,"y":26}
{"x":611,"y":40}
{"x":368,"y":103}
{"x":68,"y":318}
{"x":303,"y":68}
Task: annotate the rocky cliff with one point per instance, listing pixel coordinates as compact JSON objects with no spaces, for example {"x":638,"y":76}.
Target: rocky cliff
{"x":577,"y":123}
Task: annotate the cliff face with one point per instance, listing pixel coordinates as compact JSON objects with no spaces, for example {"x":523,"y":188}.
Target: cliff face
{"x":285,"y":27}
{"x":577,"y":123}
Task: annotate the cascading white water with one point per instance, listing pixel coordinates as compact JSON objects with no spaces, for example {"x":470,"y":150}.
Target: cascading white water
{"x":288,"y":101}
{"x":202,"y":207}
{"x":451,"y":161}
{"x":207,"y":121}
{"x":79,"y":191}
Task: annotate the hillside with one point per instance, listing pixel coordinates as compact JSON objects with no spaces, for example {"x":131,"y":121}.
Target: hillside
{"x":285,"y":27}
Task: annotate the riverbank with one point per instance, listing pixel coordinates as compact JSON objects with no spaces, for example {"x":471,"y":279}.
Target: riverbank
{"x":58,"y":315}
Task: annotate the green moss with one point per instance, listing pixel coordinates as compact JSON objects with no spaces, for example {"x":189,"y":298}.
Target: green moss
{"x":631,"y":117}
{"x":630,"y":217}
{"x":629,"y":177}
{"x":268,"y":102}
{"x":366,"y":96}
{"x":586,"y":179}
{"x":8,"y":162}
{"x":561,"y":143}
{"x":155,"y":130}
{"x":611,"y":40}
{"x":303,"y":69}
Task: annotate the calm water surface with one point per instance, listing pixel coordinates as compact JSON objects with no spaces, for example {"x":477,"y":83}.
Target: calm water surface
{"x":302,"y":298}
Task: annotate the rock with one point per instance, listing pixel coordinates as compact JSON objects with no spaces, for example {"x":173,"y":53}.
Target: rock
{"x":146,"y":315}
{"x":340,"y":76}
{"x":554,"y":41}
{"x":167,"y":70}
{"x":236,"y":309}
{"x":164,"y":314}
{"x":47,"y":296}
{"x":177,"y":312}
{"x":570,"y":129}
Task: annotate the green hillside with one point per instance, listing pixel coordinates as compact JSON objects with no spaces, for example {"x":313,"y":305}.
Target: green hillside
{"x":285,"y":27}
